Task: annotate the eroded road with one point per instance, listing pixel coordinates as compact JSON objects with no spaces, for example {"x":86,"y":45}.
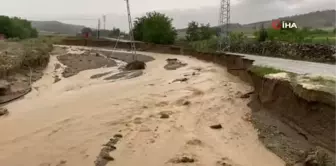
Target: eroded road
{"x":295,"y":66}
{"x":158,"y":121}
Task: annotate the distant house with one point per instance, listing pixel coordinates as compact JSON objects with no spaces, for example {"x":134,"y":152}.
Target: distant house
{"x":2,"y":36}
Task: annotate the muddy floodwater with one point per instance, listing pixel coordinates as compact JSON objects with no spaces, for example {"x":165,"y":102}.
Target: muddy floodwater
{"x":148,"y":120}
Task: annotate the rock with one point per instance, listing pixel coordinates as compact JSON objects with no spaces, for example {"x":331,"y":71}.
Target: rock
{"x":61,"y":163}
{"x":217,"y":126}
{"x":187,"y":160}
{"x":117,"y":136}
{"x":171,"y":60}
{"x":3,"y":111}
{"x":226,"y":162}
{"x":244,"y":96}
{"x":137,"y":120}
{"x":56,"y":79}
{"x":194,"y":142}
{"x":108,"y":157}
{"x":164,"y":116}
{"x":57,"y":66}
{"x":135,"y":65}
{"x":315,"y":157}
{"x":334,"y":55}
{"x":183,"y":159}
{"x":186,"y":103}
{"x":174,"y":64}
{"x":110,"y":145}
{"x":4,"y":87}
{"x":181,"y":80}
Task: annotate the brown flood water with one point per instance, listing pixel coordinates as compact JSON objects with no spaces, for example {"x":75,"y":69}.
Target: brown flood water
{"x":66,"y":123}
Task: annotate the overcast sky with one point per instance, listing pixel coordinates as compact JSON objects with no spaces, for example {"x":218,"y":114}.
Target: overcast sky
{"x":182,"y":11}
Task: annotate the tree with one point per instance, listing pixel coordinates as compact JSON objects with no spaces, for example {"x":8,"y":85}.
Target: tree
{"x":197,"y":32}
{"x":193,"y":33}
{"x":206,"y":32}
{"x":16,"y":28}
{"x":237,"y":37}
{"x":262,"y":36}
{"x":5,"y":26}
{"x":154,"y":27}
{"x":115,"y":32}
{"x":86,"y":30}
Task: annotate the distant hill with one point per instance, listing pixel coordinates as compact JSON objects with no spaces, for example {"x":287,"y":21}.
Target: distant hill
{"x":319,"y":19}
{"x":48,"y":27}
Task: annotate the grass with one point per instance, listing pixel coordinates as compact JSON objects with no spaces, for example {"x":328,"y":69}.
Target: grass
{"x":322,"y":79}
{"x":324,"y":83}
{"x":265,"y":70}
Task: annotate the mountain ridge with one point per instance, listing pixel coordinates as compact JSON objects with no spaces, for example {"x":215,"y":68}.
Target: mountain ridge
{"x":315,"y":19}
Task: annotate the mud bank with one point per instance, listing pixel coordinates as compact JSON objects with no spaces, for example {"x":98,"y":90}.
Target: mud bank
{"x":84,"y":58}
{"x":291,"y":119}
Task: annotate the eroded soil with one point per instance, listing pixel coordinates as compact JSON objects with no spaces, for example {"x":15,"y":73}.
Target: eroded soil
{"x":83,"y":61}
{"x":19,"y":83}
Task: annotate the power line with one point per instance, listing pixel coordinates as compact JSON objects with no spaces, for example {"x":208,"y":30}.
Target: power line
{"x":224,"y":23}
{"x":133,"y":49}
{"x":104,"y":21}
{"x":98,"y":29}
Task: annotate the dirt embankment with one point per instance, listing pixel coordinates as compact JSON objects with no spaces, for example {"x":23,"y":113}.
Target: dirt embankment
{"x":21,"y":64}
{"x":78,"y":59}
{"x":290,"y":123}
{"x":84,"y":60}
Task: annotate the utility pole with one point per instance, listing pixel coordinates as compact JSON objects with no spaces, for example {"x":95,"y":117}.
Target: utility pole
{"x":98,"y":29}
{"x":223,"y":23}
{"x":133,"y":49}
{"x":104,"y":21}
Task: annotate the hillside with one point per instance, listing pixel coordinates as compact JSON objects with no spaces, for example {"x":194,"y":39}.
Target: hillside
{"x":56,"y":27}
{"x":317,"y":19}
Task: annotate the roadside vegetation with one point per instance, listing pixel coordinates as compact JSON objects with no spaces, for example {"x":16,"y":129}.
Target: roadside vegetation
{"x":22,"y":49}
{"x":16,"y":28}
{"x":24,"y":55}
{"x":298,"y":36}
{"x":265,"y":70}
{"x":113,"y":33}
{"x":155,"y":28}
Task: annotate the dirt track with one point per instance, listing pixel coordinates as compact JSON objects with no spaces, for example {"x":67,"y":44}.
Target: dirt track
{"x":162,"y":121}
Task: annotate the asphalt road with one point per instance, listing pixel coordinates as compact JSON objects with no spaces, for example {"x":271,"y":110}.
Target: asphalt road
{"x":120,"y":40}
{"x":296,"y":66}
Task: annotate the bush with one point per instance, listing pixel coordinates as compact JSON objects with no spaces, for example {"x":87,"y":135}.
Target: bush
{"x":17,"y":28}
{"x":154,"y":28}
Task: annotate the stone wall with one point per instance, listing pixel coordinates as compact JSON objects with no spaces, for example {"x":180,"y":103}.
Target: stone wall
{"x":307,"y":52}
